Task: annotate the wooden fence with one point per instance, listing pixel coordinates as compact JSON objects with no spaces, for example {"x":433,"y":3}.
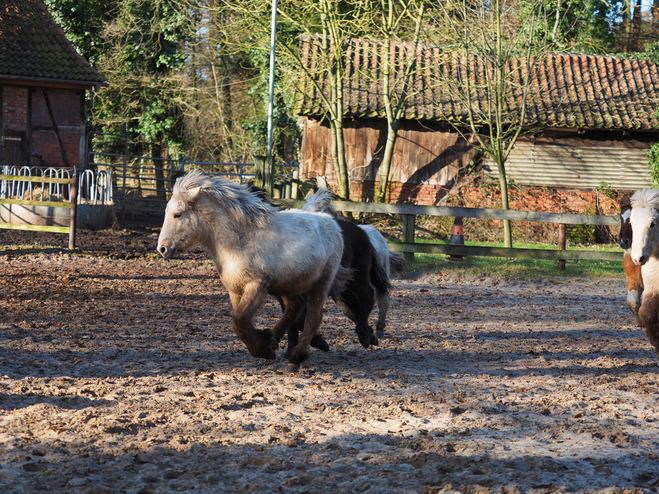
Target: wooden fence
{"x":409,"y":247}
{"x":72,"y":205}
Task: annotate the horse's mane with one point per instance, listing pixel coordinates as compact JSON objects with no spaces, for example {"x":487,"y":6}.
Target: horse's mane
{"x":239,"y":200}
{"x":645,"y":198}
{"x":320,"y":202}
{"x":625,"y":203}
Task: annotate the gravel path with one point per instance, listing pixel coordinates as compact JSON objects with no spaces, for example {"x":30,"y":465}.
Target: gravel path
{"x":123,"y":376}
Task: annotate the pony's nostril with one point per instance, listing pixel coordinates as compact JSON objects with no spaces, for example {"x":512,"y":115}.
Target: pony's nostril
{"x":642,"y":260}
{"x":162,"y":250}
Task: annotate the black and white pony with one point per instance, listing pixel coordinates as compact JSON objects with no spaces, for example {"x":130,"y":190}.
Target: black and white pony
{"x":321,"y":202}
{"x":258,"y":250}
{"x":366,"y":255}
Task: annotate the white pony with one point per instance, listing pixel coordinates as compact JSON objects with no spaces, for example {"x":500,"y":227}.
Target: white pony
{"x":258,"y":250}
{"x":321,"y":201}
{"x":644,"y":252}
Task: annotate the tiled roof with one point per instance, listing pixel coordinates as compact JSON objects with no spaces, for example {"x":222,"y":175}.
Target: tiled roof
{"x":32,"y":46}
{"x":568,"y":90}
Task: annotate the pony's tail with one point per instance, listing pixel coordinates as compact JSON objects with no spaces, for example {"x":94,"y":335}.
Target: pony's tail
{"x":379,"y":278}
{"x":343,"y":276}
{"x":397,"y":264}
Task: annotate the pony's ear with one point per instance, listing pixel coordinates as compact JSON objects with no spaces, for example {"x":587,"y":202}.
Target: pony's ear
{"x":191,"y":195}
{"x":194,"y":193}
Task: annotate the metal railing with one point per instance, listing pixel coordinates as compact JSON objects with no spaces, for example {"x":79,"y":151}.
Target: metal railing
{"x":143,"y":184}
{"x":93,"y":188}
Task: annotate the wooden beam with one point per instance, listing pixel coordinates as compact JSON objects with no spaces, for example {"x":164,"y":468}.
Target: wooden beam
{"x":46,"y":180}
{"x":48,"y":204}
{"x":58,"y":136}
{"x":38,"y":228}
{"x":495,"y":214}
{"x":471,"y":250}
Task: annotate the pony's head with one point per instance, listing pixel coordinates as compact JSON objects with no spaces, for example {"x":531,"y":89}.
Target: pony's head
{"x":644,"y":221}
{"x":202,"y":205}
{"x":625,"y":235}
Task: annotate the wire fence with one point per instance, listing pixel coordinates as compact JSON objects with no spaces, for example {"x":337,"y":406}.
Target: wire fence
{"x":143,"y":184}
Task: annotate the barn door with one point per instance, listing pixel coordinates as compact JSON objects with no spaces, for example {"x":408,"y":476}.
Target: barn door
{"x":14,"y":148}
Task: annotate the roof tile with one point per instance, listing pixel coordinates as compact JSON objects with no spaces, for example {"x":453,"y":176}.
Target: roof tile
{"x":33,"y":45}
{"x":568,"y":90}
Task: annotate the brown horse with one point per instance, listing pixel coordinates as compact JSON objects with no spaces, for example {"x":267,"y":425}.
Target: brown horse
{"x":632,"y":271}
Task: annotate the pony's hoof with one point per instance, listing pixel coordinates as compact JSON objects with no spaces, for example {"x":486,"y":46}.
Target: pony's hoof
{"x":365,"y":340}
{"x":263,"y":352}
{"x":374,"y":340}
{"x":292,"y":368}
{"x":319,"y":342}
{"x":380,"y":333}
{"x":297,"y":357}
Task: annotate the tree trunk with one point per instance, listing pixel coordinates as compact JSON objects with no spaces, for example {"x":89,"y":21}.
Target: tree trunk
{"x":503,"y":183}
{"x":382,"y":194}
{"x":626,"y":23}
{"x":339,"y":159}
{"x":636,"y":28}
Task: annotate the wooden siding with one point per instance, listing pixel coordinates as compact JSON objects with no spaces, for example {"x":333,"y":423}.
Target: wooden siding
{"x":424,"y":153}
{"x":575,"y":163}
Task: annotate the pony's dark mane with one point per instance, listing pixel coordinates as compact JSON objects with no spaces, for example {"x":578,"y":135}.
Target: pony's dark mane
{"x":625,"y":203}
{"x":241,"y":201}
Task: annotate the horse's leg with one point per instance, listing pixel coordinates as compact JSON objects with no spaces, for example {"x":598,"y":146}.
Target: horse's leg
{"x":359,"y":297}
{"x":293,"y":307}
{"x":315,"y":302}
{"x":634,"y":285}
{"x":297,"y":327}
{"x":259,"y":343}
{"x":383,"y":307}
{"x":648,"y":317}
{"x":356,"y":303}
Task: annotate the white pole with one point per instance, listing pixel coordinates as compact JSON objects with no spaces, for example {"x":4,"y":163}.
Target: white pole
{"x":273,"y":42}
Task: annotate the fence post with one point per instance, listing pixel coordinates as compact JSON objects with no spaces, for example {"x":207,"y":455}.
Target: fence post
{"x":295,"y":186}
{"x":73,"y":211}
{"x":409,"y":221}
{"x":259,"y":171}
{"x":269,"y":175}
{"x":123,"y":185}
{"x":561,"y":244}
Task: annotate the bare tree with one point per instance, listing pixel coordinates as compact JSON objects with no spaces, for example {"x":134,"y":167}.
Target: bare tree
{"x":396,"y":86}
{"x":488,"y":77}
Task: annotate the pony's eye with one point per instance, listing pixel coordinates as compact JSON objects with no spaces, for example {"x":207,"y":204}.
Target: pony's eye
{"x":177,"y":215}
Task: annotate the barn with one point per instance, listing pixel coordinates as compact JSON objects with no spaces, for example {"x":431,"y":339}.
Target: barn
{"x":42,"y":90}
{"x":593,"y":120}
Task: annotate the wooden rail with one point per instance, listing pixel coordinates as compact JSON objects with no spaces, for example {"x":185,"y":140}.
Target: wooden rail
{"x":409,"y":247}
{"x":72,"y":205}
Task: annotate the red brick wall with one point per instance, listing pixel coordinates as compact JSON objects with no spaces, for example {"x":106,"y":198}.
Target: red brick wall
{"x":538,"y":199}
{"x":526,"y":199}
{"x":14,"y":108}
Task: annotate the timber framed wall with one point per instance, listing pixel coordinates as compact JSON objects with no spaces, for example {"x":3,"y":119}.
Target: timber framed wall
{"x":47,"y":121}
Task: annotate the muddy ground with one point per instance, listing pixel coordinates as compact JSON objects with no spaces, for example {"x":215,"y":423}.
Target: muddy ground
{"x":119,"y":373}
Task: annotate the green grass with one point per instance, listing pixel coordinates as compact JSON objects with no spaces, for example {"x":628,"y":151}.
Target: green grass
{"x":501,"y":267}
